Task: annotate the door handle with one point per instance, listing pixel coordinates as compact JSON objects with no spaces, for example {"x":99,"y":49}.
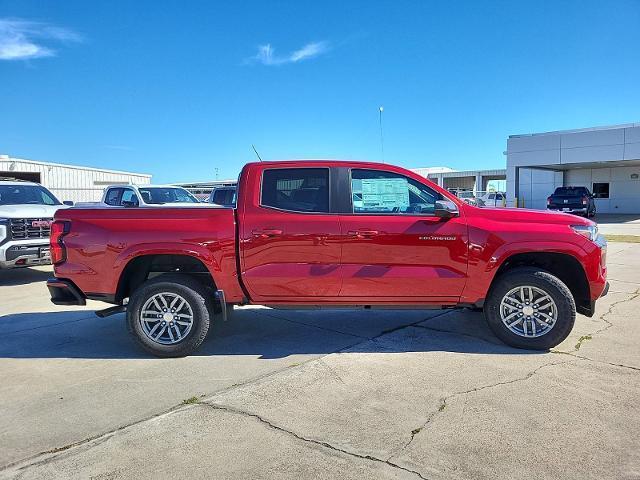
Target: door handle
{"x":363,"y":233}
{"x":267,"y":233}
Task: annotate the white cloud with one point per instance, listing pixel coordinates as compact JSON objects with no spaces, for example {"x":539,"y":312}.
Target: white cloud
{"x":266,"y":54}
{"x":23,"y":39}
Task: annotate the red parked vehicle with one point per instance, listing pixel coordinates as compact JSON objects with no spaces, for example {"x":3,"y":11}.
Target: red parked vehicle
{"x":329,"y":233}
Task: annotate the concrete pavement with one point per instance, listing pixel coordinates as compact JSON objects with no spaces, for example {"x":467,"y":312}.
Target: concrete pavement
{"x":367,"y":394}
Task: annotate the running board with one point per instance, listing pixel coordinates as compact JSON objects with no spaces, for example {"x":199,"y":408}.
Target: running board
{"x":111,"y":311}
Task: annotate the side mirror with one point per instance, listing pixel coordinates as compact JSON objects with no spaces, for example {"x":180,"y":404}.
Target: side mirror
{"x":127,"y":204}
{"x":446,"y":209}
{"x":68,"y":203}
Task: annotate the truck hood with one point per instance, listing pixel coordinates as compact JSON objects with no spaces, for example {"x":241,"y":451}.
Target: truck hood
{"x":525,"y":215}
{"x":29,"y":211}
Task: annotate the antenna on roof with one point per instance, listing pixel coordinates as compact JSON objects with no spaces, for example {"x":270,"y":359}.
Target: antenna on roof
{"x":254,"y":149}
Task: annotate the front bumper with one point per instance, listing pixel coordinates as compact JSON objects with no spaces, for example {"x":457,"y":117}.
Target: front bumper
{"x":65,"y":292}
{"x":14,"y":254}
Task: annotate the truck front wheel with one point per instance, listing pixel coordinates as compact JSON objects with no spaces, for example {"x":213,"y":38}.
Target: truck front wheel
{"x":530,"y":308}
{"x":169,"y":315}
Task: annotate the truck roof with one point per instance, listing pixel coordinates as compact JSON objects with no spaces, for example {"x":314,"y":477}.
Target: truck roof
{"x":324,"y":162}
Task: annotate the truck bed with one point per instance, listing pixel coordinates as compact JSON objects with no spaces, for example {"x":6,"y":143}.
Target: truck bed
{"x":104,"y":240}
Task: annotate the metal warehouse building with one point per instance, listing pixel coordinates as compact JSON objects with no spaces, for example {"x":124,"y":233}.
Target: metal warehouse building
{"x":606,"y":160}
{"x":69,"y":182}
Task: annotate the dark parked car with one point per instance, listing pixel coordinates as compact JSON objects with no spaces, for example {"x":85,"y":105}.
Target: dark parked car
{"x":223,"y":196}
{"x":578,"y":200}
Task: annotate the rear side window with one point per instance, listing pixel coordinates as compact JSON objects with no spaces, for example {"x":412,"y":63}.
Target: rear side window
{"x":296,"y":189}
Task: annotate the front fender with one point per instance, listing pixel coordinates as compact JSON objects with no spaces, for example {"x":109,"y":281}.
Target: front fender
{"x":484,"y":265}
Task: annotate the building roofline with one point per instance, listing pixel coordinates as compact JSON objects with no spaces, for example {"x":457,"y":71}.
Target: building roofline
{"x":577,"y":130}
{"x":77,"y":167}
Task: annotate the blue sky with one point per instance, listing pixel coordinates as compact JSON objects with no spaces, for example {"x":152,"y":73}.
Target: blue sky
{"x":178,"y":89}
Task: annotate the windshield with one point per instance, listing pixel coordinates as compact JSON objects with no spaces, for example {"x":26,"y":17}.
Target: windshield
{"x":26,"y":195}
{"x":157,"y":195}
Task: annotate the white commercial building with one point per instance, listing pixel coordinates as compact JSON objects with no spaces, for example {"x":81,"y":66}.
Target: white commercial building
{"x":68,"y":182}
{"x":606,"y":160}
{"x":474,"y":181}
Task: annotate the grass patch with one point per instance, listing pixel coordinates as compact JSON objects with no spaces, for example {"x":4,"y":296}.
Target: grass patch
{"x":623,"y":238}
{"x":583,"y":338}
{"x":190,"y":401}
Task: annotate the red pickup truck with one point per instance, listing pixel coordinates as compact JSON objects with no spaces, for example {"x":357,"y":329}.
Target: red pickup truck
{"x":329,"y":233}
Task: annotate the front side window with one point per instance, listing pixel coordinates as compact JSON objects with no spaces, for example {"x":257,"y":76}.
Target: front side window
{"x":129,"y":197}
{"x":375,"y":191}
{"x":26,"y":195}
{"x":296,"y":189}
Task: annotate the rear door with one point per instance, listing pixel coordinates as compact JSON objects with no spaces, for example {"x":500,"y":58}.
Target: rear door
{"x":395,"y":248}
{"x":289,"y":237}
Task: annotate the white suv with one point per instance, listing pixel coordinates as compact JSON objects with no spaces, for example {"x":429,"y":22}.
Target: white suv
{"x":26,"y":213}
{"x":147,"y":195}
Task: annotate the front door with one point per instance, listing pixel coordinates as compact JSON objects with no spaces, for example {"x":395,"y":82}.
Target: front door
{"x":394,"y":247}
{"x":290,"y":240}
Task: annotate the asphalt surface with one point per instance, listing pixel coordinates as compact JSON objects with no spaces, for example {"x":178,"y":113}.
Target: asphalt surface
{"x":319,"y":394}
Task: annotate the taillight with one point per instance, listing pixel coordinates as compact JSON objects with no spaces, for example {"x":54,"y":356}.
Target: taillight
{"x":59,"y":229}
{"x":548,"y":201}
{"x":585,"y":200}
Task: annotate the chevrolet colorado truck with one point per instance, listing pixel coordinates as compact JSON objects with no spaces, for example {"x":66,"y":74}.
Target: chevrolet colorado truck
{"x":329,"y":234}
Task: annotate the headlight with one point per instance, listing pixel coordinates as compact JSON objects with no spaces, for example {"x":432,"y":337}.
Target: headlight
{"x":589,"y":231}
{"x":3,"y":229}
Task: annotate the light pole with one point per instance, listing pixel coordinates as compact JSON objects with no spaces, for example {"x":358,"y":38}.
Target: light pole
{"x":381,"y":109}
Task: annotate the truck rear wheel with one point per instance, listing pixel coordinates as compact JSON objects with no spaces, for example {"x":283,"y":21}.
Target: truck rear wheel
{"x":530,"y":308}
{"x":169,"y":316}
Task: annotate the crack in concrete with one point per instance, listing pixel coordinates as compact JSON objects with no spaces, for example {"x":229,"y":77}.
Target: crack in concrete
{"x":104,"y":436}
{"x":603,"y":318}
{"x":320,"y":443}
{"x":582,"y":357}
{"x":444,"y":400}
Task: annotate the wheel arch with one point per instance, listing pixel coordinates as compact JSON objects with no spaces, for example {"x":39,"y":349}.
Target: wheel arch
{"x":144,"y":266}
{"x":562,"y":265}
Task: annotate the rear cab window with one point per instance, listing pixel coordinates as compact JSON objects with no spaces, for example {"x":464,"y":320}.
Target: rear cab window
{"x":381,"y":192}
{"x":296,"y":189}
{"x":113,"y":196}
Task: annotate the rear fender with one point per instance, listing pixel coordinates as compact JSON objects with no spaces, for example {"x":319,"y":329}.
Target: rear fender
{"x":198,"y":252}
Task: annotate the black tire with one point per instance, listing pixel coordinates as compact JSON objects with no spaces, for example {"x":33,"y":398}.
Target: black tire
{"x":552,"y":286}
{"x":199,"y":299}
